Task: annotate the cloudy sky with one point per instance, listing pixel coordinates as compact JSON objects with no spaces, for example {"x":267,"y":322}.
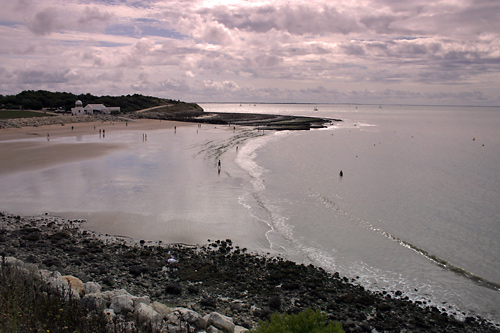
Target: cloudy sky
{"x":347,"y":51}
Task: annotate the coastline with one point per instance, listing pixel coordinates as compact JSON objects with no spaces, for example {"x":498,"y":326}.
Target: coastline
{"x":88,"y":150}
{"x":219,"y":277}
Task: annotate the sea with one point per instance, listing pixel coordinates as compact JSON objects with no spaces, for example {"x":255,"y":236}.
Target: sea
{"x":416,"y":212}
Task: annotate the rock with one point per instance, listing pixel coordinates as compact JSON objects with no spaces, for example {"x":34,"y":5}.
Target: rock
{"x":109,"y":295}
{"x":192,"y":317}
{"x":93,"y":301}
{"x":240,"y":329}
{"x":162,"y":309}
{"x":47,"y":275}
{"x":122,"y":304}
{"x":212,"y":329}
{"x":145,"y":312}
{"x":91,"y":287}
{"x":62,"y":285}
{"x":141,"y":299}
{"x":74,"y":283}
{"x":223,"y":323}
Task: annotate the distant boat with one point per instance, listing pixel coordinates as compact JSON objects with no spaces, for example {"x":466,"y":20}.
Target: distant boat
{"x":316,"y":108}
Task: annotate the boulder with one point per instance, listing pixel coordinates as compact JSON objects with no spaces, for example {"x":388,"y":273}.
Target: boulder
{"x":162,"y":309}
{"x":145,"y":312}
{"x":192,"y":317}
{"x":63,"y":285}
{"x":47,"y":275}
{"x":91,"y":287}
{"x":221,"y":322}
{"x":213,"y":329}
{"x":122,"y":304}
{"x":74,"y":283}
{"x":93,"y":301}
{"x":142,"y":299}
{"x":110,"y":294}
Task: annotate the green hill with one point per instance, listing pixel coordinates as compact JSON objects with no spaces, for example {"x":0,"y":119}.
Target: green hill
{"x":37,"y":100}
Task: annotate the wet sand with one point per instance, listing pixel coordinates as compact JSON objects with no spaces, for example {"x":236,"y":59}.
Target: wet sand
{"x":31,"y":148}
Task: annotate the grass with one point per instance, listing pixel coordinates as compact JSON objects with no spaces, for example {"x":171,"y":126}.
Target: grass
{"x":27,"y":304}
{"x":307,"y":321}
{"x":14,"y":114}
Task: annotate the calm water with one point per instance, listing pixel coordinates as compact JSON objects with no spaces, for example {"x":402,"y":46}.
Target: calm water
{"x":417,"y":210}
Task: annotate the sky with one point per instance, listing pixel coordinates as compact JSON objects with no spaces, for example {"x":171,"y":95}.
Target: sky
{"x":439,"y":52}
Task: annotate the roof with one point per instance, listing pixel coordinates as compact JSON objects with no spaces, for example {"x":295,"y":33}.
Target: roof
{"x":96,"y":106}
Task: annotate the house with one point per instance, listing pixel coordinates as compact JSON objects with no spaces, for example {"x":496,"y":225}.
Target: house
{"x":92,"y":109}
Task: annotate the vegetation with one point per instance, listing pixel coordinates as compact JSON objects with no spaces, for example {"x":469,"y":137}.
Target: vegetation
{"x":308,"y":321}
{"x":10,"y":114}
{"x":29,"y":305}
{"x":37,"y":100}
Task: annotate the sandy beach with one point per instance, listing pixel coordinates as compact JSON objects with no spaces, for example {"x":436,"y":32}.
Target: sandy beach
{"x":19,"y":152}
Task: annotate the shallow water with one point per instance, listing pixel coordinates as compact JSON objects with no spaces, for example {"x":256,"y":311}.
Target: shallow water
{"x":417,"y":209}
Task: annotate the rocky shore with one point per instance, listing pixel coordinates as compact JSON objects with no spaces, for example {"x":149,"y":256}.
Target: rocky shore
{"x":218,"y":279}
{"x":256,"y":120}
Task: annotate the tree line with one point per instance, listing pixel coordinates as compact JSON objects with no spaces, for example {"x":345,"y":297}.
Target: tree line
{"x":42,"y":99}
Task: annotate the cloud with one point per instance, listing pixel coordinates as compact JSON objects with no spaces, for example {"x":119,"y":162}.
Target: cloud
{"x":51,"y":19}
{"x":245,"y":50}
{"x":41,"y":77}
{"x":294,"y":18}
{"x":46,"y":22}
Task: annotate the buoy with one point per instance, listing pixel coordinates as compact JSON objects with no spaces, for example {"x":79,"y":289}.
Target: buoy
{"x":341,"y":173}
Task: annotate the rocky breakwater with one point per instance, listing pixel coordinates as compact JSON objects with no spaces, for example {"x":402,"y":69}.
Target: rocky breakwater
{"x":214,"y":287}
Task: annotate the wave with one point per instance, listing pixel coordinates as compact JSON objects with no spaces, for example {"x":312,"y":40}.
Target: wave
{"x":326,"y":201}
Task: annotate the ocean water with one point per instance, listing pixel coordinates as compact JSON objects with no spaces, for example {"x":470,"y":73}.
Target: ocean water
{"x":417,"y":209}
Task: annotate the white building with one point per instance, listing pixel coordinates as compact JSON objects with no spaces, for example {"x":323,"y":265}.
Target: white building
{"x":92,"y":109}
{"x":78,"y":109}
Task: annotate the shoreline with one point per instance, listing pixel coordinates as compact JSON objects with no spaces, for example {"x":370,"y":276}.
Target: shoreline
{"x":41,"y":144}
{"x":213,"y":255}
{"x":219,"y":277}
